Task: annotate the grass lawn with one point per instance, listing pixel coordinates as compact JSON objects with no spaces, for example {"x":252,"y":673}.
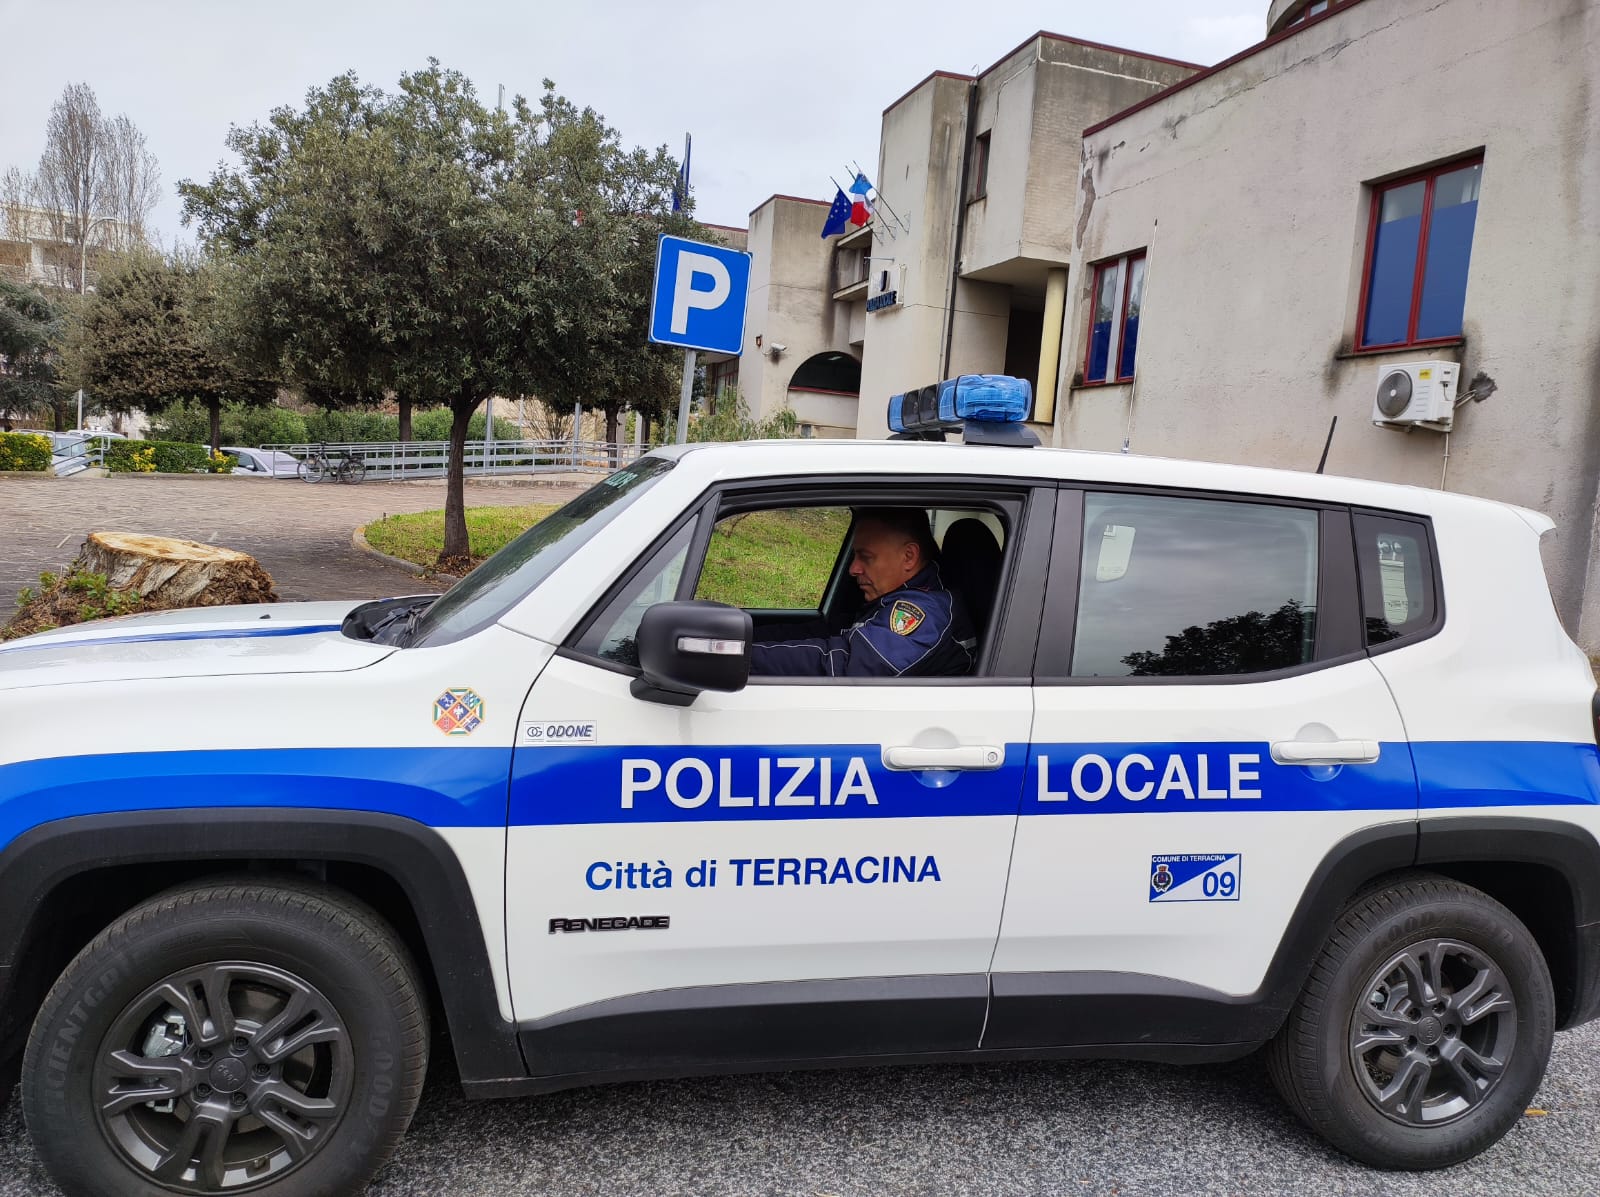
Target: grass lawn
{"x":419,"y":537}
{"x":776,"y":559}
{"x":763,"y":559}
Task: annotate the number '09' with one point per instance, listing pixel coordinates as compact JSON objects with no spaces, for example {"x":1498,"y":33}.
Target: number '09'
{"x":1223,"y":885}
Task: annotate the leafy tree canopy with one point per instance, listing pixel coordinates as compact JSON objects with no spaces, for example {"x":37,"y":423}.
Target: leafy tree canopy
{"x":31,"y":326}
{"x":421,"y":243}
{"x":156,"y":332}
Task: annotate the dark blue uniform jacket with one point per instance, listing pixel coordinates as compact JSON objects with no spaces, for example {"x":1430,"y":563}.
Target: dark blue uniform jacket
{"x":920,"y":630}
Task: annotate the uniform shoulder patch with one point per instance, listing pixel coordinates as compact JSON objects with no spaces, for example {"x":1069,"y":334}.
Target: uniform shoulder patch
{"x":905,"y":617}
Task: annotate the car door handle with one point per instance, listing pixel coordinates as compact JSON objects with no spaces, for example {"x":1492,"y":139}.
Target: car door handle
{"x":1325,"y":752}
{"x":971,"y":756}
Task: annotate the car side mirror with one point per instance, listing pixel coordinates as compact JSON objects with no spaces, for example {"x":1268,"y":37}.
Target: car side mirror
{"x":685,"y":648}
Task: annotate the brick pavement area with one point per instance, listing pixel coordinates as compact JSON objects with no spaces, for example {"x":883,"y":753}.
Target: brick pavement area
{"x":299,"y":533}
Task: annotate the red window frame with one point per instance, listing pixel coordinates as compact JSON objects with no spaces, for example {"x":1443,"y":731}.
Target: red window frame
{"x":1379,"y":190}
{"x":1114,"y":373}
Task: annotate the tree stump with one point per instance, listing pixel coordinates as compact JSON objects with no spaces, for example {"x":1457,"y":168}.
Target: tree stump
{"x":120,"y":573}
{"x":167,"y":573}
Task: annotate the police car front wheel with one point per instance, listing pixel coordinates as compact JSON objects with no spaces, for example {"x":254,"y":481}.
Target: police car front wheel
{"x":263,"y":1038}
{"x":1432,"y":1011}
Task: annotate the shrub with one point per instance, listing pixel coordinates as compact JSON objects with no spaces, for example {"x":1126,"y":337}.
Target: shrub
{"x":732,"y":421}
{"x":241,"y":424}
{"x":146,"y":457}
{"x":24,"y":451}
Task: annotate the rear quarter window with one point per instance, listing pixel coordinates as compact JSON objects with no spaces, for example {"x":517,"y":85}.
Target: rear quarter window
{"x":1400,"y":599}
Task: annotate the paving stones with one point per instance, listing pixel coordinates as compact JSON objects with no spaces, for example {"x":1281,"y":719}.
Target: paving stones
{"x":300,"y":533}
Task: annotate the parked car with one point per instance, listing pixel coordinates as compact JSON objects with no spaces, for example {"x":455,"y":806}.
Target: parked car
{"x":69,"y":453}
{"x":263,"y":463}
{"x":564,"y":811}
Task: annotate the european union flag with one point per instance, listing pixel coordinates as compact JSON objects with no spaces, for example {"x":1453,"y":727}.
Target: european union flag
{"x":838,"y":215}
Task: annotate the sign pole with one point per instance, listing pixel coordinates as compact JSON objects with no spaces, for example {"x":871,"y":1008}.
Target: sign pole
{"x":689,"y":356}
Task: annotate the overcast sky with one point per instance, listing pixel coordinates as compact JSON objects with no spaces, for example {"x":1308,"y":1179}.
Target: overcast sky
{"x":778,"y":96}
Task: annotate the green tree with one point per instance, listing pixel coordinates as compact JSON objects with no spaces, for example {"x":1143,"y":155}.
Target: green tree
{"x":157,"y":332}
{"x":420,"y":243}
{"x":31,"y":328}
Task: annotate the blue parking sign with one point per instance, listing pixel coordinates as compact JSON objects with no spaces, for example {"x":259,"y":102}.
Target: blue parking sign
{"x":700,"y":295}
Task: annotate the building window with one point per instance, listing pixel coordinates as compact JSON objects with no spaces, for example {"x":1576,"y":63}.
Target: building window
{"x":1114,"y":319}
{"x":1414,"y":285}
{"x":980,"y":167}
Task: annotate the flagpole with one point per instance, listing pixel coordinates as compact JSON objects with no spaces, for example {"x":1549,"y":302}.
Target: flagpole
{"x":880,"y":200}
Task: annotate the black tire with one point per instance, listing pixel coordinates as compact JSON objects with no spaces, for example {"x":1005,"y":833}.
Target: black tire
{"x":352,"y":470}
{"x":312,"y":469}
{"x":1417,"y":1084}
{"x":218,"y":997}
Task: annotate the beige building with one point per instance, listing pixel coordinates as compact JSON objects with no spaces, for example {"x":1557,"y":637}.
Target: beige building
{"x":1380,"y":182}
{"x":1215,"y":263}
{"x":38,"y":245}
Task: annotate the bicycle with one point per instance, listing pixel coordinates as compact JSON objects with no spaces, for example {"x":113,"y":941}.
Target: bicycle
{"x":345,"y":467}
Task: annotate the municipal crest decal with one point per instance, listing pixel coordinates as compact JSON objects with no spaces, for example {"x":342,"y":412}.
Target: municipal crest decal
{"x":905,"y":618}
{"x":458,"y":711}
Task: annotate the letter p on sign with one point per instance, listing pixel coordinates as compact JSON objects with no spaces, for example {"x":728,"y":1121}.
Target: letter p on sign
{"x":700,"y":293}
{"x":686,"y":296}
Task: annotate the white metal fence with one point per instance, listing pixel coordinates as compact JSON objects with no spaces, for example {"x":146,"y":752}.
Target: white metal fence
{"x":388,"y":460}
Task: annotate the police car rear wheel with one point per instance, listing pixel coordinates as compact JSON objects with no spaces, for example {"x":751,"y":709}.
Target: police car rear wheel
{"x":1432,"y":1010}
{"x":229,"y":1038}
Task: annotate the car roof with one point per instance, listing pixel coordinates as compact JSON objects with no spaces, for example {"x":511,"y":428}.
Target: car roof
{"x":790,"y":458}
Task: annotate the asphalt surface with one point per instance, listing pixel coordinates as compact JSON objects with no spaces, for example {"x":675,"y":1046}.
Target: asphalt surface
{"x":1116,"y":1129}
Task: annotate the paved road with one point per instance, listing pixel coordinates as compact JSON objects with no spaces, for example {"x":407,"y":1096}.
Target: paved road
{"x":299,"y":533}
{"x":1081,"y":1128}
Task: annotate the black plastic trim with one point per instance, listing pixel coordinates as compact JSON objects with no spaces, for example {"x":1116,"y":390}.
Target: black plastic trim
{"x":1054,"y":659}
{"x":1085,"y":1009}
{"x":668,"y":1031}
{"x":412,"y":854}
{"x":1565,"y":847}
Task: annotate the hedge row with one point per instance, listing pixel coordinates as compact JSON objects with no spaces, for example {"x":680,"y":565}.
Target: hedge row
{"x":242,"y":425}
{"x":156,"y":457}
{"x":24,"y":451}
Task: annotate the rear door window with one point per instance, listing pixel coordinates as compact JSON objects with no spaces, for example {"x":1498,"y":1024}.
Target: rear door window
{"x":1186,"y":587}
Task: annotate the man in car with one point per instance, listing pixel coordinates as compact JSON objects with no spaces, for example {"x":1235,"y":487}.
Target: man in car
{"x":912,"y":626}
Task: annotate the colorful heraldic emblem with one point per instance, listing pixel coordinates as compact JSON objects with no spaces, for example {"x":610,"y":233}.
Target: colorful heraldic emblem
{"x":458,"y":711}
{"x":1195,"y":877}
{"x":905,"y":618}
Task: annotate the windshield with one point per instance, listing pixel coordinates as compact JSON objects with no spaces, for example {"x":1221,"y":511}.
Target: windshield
{"x":492,"y":589}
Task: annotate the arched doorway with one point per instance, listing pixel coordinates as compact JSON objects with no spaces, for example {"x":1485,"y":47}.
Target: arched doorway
{"x":832,"y":373}
{"x":823,"y":393}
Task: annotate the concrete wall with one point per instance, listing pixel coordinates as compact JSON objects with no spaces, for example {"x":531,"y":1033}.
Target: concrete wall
{"x":1250,"y":187}
{"x":1035,"y":104}
{"x":919,"y":170}
{"x":791,"y":304}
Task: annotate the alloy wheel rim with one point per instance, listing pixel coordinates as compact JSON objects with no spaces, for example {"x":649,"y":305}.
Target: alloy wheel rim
{"x":1433,"y":1032}
{"x":223,"y":1077}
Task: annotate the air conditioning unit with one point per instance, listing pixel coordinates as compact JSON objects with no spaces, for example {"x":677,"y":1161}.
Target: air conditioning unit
{"x":1416,"y":395}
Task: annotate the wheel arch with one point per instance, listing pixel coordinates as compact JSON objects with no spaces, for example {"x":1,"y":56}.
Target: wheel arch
{"x":64,"y":881}
{"x":1545,"y":871}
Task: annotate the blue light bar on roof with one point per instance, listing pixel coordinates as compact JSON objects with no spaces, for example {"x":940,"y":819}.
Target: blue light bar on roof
{"x":981,"y":398}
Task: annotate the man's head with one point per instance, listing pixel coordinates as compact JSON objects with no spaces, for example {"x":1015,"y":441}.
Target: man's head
{"x":891,"y":546}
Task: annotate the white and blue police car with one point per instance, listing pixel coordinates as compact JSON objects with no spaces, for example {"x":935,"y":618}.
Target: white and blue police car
{"x":1240,"y":757}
